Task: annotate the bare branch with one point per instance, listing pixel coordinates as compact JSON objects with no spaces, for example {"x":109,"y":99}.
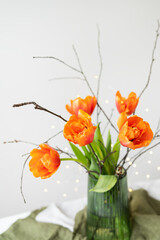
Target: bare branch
{"x":101,"y":67}
{"x":61,"y":61}
{"x":107,"y":117}
{"x":81,"y":70}
{"x":64,"y":152}
{"x":124,"y":158}
{"x":21,"y":141}
{"x":21,"y":185}
{"x":108,"y":121}
{"x":53,"y":136}
{"x":39,"y":108}
{"x":152,"y":61}
{"x":103,"y":161}
{"x":63,"y":78}
{"x":25,"y":154}
{"x":143,"y":153}
{"x":87,"y":82}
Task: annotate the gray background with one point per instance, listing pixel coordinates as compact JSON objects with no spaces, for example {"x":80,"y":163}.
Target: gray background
{"x":31,"y":28}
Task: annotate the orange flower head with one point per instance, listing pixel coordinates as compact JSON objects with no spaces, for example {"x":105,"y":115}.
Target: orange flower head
{"x":87,"y":105}
{"x":44,"y":162}
{"x":126,"y":105}
{"x":79,"y":129}
{"x":134,"y":132}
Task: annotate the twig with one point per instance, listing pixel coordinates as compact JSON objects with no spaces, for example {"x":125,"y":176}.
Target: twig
{"x":81,"y":70}
{"x":63,"y":78}
{"x":101,"y":68}
{"x":94,"y":153}
{"x":21,"y":141}
{"x":108,"y":121}
{"x":91,"y":171}
{"x":39,"y":108}
{"x":154,"y":137}
{"x":153,"y":59}
{"x":128,"y":150}
{"x":21,"y":185}
{"x":53,"y":136}
{"x":124,"y":158}
{"x":103,"y":161}
{"x":157,"y":130}
{"x":143,"y":153}
{"x":25,"y":154}
{"x":107,"y":117}
{"x":61,"y":61}
{"x":87,"y":82}
{"x":64,"y":152}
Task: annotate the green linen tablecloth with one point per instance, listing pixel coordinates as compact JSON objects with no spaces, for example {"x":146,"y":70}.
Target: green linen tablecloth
{"x":145,"y":215}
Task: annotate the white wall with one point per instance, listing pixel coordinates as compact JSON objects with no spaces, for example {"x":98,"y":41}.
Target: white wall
{"x":32,"y":28}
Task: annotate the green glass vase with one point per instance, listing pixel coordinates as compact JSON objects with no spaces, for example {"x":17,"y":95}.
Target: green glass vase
{"x":108,"y":213}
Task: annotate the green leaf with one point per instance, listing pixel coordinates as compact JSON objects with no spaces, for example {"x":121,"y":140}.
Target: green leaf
{"x":96,"y":149}
{"x":86,"y":152}
{"x":79,"y":155}
{"x":94,"y":167}
{"x":104,"y":183}
{"x":98,"y":139}
{"x":109,"y":141}
{"x":97,"y":135}
{"x":115,"y":156}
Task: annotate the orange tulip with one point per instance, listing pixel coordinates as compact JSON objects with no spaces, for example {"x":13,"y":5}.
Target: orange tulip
{"x":79,"y":130}
{"x":44,"y":162}
{"x":126,"y":105}
{"x":134,"y":132}
{"x":87,"y":105}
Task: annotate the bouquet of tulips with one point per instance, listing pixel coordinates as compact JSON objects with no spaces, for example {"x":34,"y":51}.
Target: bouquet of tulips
{"x":100,"y":158}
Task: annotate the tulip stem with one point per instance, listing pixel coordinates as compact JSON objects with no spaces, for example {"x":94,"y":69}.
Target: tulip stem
{"x":153,"y":59}
{"x":39,"y":108}
{"x":76,"y":160}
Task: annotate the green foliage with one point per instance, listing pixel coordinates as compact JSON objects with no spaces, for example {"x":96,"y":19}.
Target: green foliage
{"x":112,"y":159}
{"x":86,"y":152}
{"x":80,"y":156}
{"x":96,"y":149}
{"x":115,"y":156}
{"x":109,"y":142}
{"x":98,"y":139}
{"x":104,"y":183}
{"x":94,"y":167}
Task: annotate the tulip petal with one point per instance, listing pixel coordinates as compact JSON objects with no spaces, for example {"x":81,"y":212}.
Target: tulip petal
{"x":134,"y":133}
{"x":79,"y":130}
{"x":44,"y":161}
{"x":121,"y":120}
{"x":69,"y":109}
{"x":87,"y":136}
{"x":87,"y":105}
{"x":126,"y":105}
